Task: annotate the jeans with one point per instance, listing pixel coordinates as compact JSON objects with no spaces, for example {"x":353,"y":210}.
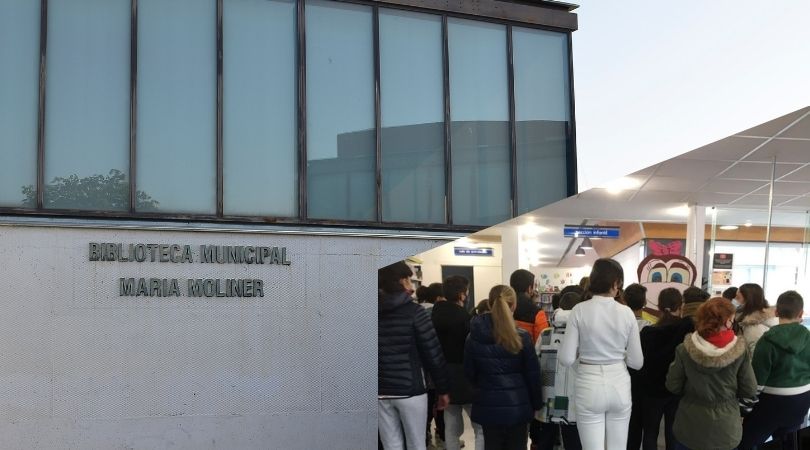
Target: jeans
{"x":403,"y":414}
{"x":603,"y":400}
{"x":774,"y":415}
{"x":499,"y":437}
{"x":653,"y":409}
{"x":454,"y":427}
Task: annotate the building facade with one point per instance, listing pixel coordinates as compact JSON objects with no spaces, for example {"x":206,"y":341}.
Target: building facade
{"x":325,"y":138}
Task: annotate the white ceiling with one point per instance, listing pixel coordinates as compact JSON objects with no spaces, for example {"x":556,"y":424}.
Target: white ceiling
{"x":732,"y":174}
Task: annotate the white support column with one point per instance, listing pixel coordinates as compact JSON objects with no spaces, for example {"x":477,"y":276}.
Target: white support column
{"x":511,"y":255}
{"x":695,"y":239}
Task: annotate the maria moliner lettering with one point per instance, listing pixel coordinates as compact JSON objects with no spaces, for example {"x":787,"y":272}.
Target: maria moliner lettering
{"x":207,"y":287}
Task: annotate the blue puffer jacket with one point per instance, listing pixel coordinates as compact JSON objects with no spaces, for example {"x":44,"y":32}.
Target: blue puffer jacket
{"x":506,"y":386}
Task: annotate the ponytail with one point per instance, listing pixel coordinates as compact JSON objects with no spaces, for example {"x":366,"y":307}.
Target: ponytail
{"x":503,"y":325}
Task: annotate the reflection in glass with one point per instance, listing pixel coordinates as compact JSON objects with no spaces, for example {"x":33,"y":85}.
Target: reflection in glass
{"x":412,"y":117}
{"x":479,"y":108}
{"x":340,"y":112}
{"x":177,"y":104}
{"x":542,"y":114}
{"x":87,"y":110}
{"x":19,"y":91}
{"x":259,"y":135}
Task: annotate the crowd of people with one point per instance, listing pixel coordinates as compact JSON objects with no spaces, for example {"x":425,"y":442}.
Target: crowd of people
{"x":721,"y":373}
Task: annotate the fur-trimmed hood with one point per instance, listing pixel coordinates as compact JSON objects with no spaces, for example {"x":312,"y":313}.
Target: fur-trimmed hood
{"x":709,"y":357}
{"x":765,"y":317}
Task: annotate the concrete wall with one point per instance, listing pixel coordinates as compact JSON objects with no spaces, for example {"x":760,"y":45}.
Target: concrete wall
{"x":81,"y":367}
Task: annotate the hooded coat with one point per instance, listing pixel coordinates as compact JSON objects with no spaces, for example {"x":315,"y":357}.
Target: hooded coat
{"x":756,"y":324}
{"x":710,"y":380}
{"x":506,"y":386}
{"x":781,"y":360}
{"x":406,"y":345}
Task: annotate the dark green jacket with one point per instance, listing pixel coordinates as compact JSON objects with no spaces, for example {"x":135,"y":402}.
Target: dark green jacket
{"x":782,"y":360}
{"x":710,"y":381}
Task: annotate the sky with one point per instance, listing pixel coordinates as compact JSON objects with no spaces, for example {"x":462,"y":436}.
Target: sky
{"x":657,"y":79}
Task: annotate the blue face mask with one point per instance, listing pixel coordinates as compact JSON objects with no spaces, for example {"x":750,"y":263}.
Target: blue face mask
{"x":735,"y":303}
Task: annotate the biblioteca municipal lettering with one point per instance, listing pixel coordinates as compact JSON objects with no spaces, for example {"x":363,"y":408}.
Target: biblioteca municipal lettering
{"x":180,"y":254}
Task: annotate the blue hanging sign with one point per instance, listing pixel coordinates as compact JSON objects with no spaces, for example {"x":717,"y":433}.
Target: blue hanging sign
{"x":587,"y":231}
{"x":473,"y":251}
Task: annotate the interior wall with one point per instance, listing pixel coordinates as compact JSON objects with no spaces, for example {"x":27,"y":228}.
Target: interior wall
{"x":629,"y":259}
{"x":552,"y":279}
{"x":486,"y":269}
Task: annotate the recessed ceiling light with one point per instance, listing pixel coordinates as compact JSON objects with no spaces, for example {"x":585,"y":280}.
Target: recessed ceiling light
{"x":580,"y":252}
{"x":748,"y":223}
{"x":729,"y":227}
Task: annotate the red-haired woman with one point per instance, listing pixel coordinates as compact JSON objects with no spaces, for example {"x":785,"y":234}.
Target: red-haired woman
{"x":711,"y":371}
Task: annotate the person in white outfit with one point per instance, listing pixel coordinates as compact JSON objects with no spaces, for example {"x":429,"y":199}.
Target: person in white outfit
{"x":603,"y":335}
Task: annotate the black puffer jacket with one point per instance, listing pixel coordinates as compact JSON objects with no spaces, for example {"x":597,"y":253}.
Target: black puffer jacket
{"x":506,"y":387}
{"x":658,"y":342}
{"x":406,"y":344}
{"x":452,"y":323}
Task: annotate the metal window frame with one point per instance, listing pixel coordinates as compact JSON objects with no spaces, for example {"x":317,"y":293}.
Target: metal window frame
{"x":43,"y":73}
{"x":219,"y":115}
{"x":513,"y":172}
{"x":133,"y":105}
{"x":448,"y":147}
{"x":560,"y":24}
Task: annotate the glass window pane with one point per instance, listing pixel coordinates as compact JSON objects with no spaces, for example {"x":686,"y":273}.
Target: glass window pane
{"x":87,"y":109}
{"x":19,"y":96}
{"x":259,"y":135}
{"x":541,"y":116}
{"x":177,"y":106}
{"x":479,"y":108}
{"x":340,"y":112}
{"x":412,"y":102}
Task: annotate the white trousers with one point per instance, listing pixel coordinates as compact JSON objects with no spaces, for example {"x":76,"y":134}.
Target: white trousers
{"x":403,"y":416}
{"x":454,"y":427}
{"x":603,"y":402}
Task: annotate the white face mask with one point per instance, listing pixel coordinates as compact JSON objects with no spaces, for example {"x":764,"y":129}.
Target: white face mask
{"x":735,"y":303}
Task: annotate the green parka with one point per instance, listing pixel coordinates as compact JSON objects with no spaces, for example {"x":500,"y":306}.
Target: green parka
{"x":710,"y":381}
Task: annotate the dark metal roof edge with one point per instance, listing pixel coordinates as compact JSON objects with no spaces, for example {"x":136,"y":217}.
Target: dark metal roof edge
{"x":564,"y":6}
{"x":545,"y":13}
